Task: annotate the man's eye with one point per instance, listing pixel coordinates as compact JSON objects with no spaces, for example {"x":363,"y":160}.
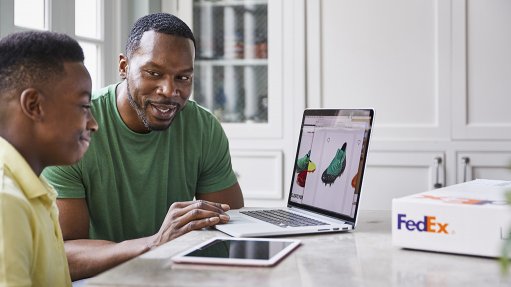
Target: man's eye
{"x":87,"y":106}
{"x":153,"y":74}
{"x":184,"y":78}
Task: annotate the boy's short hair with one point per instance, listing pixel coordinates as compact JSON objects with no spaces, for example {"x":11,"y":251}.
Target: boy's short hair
{"x":32,"y":59}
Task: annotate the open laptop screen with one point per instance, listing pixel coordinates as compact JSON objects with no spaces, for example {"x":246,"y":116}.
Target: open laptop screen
{"x":330,"y":161}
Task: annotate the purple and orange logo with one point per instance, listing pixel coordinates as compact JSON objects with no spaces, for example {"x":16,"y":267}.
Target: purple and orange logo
{"x":428,"y":224}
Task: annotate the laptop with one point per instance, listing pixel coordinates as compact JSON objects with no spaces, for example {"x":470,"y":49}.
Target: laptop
{"x":327,"y":179}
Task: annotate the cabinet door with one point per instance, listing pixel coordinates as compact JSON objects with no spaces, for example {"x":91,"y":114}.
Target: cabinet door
{"x":481,"y":69}
{"x":259,"y":174}
{"x":238,"y":67}
{"x":485,"y":165}
{"x":391,"y":55}
{"x":395,"y":174}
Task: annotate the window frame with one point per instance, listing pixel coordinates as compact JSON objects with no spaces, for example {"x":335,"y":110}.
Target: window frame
{"x":61,"y":18}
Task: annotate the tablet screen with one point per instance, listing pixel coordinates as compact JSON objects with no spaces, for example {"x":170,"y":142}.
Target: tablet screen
{"x":238,"y":251}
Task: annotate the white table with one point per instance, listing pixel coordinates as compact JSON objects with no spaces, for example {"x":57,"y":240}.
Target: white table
{"x":364,"y":257}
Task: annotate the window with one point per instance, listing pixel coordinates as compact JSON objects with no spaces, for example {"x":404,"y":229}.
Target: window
{"x":83,"y":20}
{"x":88,"y":18}
{"x":91,"y":51}
{"x":31,"y":14}
{"x":89,"y":31}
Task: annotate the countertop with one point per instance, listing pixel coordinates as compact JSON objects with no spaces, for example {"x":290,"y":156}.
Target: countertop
{"x":363,"y":257}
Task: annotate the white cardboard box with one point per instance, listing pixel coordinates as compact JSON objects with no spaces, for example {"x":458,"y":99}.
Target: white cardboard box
{"x":468,"y":218}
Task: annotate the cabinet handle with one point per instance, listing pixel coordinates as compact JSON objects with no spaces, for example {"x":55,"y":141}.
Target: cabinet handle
{"x":466,"y":163}
{"x":438,"y":163}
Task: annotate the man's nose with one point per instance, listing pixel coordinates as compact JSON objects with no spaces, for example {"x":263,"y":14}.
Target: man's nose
{"x":167,"y":88}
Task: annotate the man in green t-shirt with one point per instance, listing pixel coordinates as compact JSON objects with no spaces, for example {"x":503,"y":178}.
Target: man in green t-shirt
{"x":155,"y":152}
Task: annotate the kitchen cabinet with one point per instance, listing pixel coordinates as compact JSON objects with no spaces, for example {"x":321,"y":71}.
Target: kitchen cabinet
{"x":393,"y":174}
{"x":438,"y":74}
{"x":483,"y":164}
{"x":238,"y":73}
{"x":481,"y":77}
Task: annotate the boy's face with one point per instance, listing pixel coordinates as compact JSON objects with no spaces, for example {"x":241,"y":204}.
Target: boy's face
{"x":68,"y":121}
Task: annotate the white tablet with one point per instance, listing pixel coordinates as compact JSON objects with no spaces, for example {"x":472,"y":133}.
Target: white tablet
{"x":238,"y":251}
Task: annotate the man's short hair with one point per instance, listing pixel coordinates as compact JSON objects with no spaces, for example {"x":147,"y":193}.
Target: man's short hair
{"x":32,"y":59}
{"x":158,"y":22}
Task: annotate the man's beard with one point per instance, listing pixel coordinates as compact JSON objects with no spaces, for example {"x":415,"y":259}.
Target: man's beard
{"x":138,"y":109}
{"x":142,"y":114}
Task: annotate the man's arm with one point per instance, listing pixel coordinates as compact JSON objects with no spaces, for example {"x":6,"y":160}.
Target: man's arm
{"x":231,"y":196}
{"x":87,"y":257}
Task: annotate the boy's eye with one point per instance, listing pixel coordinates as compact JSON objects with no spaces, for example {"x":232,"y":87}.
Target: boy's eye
{"x":87,"y":106}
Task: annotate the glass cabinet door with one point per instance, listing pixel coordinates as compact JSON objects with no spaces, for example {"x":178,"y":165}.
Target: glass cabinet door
{"x":232,"y":68}
{"x":232,"y":52}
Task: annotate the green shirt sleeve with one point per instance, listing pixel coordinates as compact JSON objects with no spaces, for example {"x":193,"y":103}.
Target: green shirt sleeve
{"x":67,"y":180}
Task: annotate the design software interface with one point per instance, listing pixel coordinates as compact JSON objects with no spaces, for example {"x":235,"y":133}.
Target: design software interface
{"x":330,"y":158}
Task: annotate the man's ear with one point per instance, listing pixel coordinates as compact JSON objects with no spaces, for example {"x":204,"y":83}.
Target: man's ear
{"x":31,"y":104}
{"x":123,"y":66}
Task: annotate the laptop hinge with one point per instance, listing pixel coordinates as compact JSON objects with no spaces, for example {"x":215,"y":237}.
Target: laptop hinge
{"x":325,"y":215}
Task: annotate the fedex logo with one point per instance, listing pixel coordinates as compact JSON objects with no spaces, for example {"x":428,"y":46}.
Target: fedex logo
{"x":428,"y":224}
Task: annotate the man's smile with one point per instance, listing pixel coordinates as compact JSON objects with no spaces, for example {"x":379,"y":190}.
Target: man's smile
{"x":164,"y":111}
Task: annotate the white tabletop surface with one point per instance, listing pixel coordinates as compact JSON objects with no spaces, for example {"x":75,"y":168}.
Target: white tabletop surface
{"x":364,"y":257}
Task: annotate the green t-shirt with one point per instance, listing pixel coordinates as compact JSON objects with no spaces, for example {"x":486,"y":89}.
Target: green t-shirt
{"x":129,"y":180}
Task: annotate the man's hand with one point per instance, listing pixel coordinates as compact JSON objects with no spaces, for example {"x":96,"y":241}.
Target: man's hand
{"x":184,"y":217}
{"x":87,"y":257}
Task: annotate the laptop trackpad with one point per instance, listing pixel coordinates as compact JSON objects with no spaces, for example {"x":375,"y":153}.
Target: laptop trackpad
{"x":238,"y":218}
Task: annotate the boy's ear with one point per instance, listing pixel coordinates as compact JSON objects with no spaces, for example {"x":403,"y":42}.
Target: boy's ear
{"x":31,"y":104}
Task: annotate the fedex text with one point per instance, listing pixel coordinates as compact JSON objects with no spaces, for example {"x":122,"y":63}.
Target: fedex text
{"x":427,"y":224}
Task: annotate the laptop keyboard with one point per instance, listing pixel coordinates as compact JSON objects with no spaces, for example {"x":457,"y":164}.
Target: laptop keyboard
{"x":283,"y":218}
